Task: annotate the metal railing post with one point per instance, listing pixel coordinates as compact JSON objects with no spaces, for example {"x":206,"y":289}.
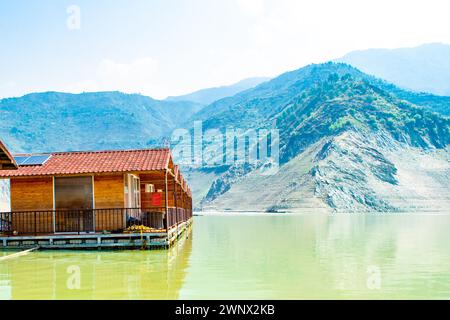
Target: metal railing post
{"x":79,"y":219}
{"x":94,"y":218}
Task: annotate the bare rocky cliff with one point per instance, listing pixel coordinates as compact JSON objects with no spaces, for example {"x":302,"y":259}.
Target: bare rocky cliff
{"x":347,"y":173}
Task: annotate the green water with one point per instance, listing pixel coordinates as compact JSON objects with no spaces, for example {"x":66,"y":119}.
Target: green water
{"x":258,"y":257}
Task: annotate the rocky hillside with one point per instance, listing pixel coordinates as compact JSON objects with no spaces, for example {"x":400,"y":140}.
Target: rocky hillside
{"x":346,"y":144}
{"x":347,"y":173}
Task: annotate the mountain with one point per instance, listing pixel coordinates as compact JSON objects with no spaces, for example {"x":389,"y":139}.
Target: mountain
{"x":252,"y":106}
{"x":53,"y":121}
{"x":348,"y":142}
{"x":207,"y":96}
{"x":425,"y":68}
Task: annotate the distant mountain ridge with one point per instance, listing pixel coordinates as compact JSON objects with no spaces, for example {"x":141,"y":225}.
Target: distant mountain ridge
{"x":254,"y":107}
{"x":425,"y":68}
{"x":209,"y":95}
{"x":54,"y":121}
{"x":342,"y":134}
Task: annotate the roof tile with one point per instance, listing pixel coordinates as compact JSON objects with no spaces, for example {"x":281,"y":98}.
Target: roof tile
{"x":63,"y":163}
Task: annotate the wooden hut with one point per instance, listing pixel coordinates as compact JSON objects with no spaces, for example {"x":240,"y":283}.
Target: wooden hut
{"x":95,"y":192}
{"x":7,"y":162}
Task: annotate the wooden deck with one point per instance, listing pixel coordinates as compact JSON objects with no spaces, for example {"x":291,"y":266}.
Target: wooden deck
{"x":97,"y":240}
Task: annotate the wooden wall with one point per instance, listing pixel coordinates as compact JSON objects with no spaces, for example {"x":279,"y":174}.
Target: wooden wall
{"x":37,"y":193}
{"x":29,"y":194}
{"x":109,"y":192}
{"x":157,"y":179}
{"x":176,"y":197}
{"x":32,"y":194}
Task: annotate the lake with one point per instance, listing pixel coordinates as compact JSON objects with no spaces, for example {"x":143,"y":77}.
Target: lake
{"x":250,"y":256}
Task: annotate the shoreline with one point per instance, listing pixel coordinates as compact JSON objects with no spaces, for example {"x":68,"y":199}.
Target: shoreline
{"x":309,"y":212}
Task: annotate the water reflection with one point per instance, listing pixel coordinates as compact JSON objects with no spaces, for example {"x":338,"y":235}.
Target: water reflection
{"x":156,"y":274}
{"x":261,"y":257}
{"x":320,"y":256}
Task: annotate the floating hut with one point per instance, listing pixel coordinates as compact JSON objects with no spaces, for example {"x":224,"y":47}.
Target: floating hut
{"x":7,"y":161}
{"x":100,"y":199}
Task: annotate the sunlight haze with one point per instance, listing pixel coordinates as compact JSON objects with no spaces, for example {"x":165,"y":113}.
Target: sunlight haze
{"x":162,"y":48}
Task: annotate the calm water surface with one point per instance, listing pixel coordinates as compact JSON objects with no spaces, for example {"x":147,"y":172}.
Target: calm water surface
{"x":254,"y":256}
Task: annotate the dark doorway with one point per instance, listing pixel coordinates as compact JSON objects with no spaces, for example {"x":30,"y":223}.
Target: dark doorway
{"x":74,"y":203}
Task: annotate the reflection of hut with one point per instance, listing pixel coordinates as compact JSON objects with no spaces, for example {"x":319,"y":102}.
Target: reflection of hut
{"x":156,"y":274}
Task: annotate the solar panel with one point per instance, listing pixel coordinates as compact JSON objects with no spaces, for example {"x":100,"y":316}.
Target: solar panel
{"x":32,"y":160}
{"x":36,"y":160}
{"x":20,"y":159}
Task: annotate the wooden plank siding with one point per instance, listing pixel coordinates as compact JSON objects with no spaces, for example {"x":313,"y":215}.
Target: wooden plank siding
{"x":158,"y":180}
{"x":29,"y":194}
{"x":37,"y":194}
{"x":109,"y":193}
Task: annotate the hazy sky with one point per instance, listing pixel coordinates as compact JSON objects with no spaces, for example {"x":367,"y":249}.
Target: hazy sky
{"x":171,"y":47}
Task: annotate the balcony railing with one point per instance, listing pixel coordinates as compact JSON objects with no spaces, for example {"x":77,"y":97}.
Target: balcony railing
{"x":114,"y":220}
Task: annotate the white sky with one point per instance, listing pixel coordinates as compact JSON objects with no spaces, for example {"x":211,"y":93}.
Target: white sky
{"x":172,"y":47}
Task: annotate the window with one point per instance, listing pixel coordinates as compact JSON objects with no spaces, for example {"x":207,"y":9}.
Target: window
{"x":132,"y":191}
{"x":73,"y":193}
{"x":149,"y":188}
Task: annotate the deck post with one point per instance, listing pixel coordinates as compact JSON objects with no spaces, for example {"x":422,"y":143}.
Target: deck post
{"x":166,"y":200}
{"x":79,"y":220}
{"x":175,"y":193}
{"x":183,"y":200}
{"x":35,"y":221}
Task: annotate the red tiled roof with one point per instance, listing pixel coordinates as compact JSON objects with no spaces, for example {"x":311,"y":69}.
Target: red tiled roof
{"x":63,"y":163}
{"x":5,"y":156}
